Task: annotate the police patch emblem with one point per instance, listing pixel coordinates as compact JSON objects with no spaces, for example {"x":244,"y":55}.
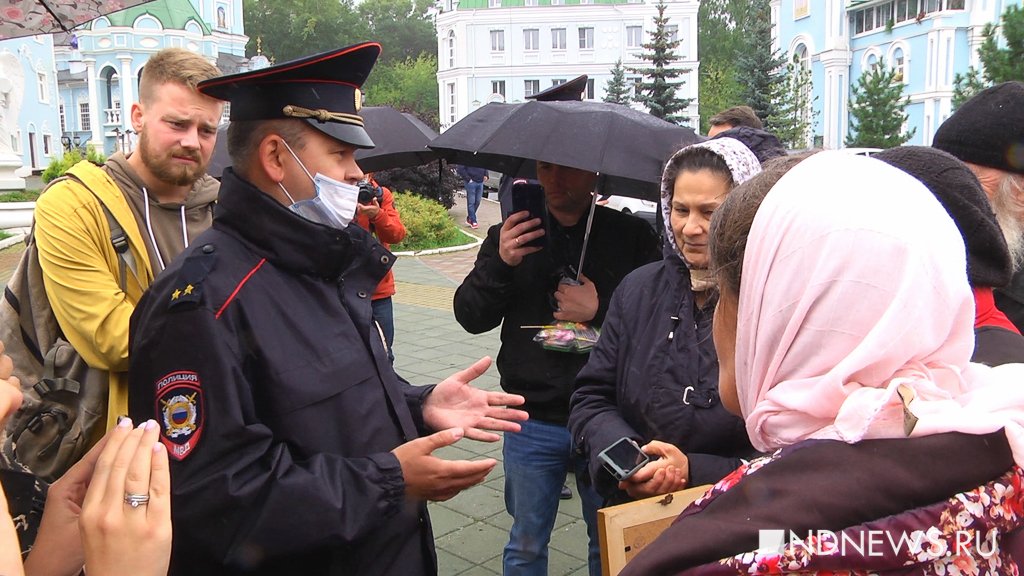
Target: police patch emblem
{"x":179,"y":401}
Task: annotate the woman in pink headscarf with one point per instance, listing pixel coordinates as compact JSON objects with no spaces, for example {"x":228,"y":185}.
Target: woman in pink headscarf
{"x":844,"y":331}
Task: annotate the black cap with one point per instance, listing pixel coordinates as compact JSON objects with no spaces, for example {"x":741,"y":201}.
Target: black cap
{"x":322,"y":89}
{"x":571,"y":90}
{"x":988,"y":129}
{"x":960,"y":193}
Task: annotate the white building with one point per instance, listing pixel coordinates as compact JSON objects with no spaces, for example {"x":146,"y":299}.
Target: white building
{"x":505,"y":50}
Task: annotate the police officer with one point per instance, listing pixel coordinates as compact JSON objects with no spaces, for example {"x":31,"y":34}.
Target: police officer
{"x":295,"y":448}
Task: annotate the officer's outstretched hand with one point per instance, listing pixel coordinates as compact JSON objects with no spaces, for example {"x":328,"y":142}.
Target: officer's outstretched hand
{"x":454,"y":403}
{"x":428,"y":477}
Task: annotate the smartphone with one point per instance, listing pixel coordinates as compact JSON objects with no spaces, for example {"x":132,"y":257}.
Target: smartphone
{"x":529,"y":196}
{"x":623,"y":458}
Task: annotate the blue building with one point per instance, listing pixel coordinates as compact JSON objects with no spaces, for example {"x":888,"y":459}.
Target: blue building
{"x":928,"y":42}
{"x":92,"y":76}
{"x":29,"y":119}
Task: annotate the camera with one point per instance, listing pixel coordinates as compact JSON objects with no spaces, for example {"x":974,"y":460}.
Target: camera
{"x":367,"y":192}
{"x":623,"y":458}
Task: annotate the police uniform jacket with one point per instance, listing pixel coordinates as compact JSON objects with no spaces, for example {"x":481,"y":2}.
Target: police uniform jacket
{"x":257,"y":355}
{"x":495,"y":293}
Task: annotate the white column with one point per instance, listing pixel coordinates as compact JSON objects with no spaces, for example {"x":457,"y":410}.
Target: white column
{"x":95,"y":113}
{"x":127,"y":93}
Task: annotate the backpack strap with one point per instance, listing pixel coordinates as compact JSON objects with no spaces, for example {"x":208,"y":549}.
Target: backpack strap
{"x":118,"y":238}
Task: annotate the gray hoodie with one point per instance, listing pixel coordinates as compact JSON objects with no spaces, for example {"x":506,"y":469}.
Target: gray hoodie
{"x":165,"y":218}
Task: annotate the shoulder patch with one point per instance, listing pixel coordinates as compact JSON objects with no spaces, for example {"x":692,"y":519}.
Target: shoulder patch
{"x":179,"y":401}
{"x":188,"y":285}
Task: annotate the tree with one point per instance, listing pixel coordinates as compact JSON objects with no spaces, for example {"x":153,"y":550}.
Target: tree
{"x":878,"y":110}
{"x":719,"y":41}
{"x":616,"y":91}
{"x":999,"y":63}
{"x":759,"y":67}
{"x":793,"y":103}
{"x":657,"y":91}
{"x":407,"y":85}
{"x":292,"y":29}
{"x":402,"y":26}
{"x":430,"y":181}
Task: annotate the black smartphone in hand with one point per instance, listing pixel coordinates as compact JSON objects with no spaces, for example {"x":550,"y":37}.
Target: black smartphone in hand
{"x":530,"y":197}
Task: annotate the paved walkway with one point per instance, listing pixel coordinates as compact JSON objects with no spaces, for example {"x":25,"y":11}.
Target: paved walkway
{"x":471,"y":529}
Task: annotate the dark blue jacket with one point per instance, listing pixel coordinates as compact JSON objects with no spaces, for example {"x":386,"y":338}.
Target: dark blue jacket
{"x":256,"y":352}
{"x":472,"y":173}
{"x":653,"y":375}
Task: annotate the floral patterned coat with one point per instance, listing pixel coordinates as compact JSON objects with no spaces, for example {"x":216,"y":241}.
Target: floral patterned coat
{"x":805,"y":520}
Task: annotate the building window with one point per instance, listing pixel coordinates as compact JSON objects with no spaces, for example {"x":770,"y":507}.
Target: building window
{"x":531,"y":87}
{"x":557,"y":2}
{"x":589,"y":95}
{"x":498,"y":87}
{"x":801,"y":9}
{"x":451,"y":49}
{"x":586,"y":38}
{"x":801,"y":56}
{"x":899,"y":65}
{"x":497,"y":40}
{"x":451,"y":103}
{"x":63,"y":119}
{"x":531,"y":39}
{"x":870,"y":62}
{"x":44,"y":89}
{"x":47,"y":144}
{"x":634,"y":36}
{"x":635,"y":81}
{"x":586,"y":1}
{"x":558,"y":82}
{"x":673,"y":32}
{"x":531,"y":2}
{"x":84,"y":116}
{"x":494,"y":3}
{"x":558,"y":38}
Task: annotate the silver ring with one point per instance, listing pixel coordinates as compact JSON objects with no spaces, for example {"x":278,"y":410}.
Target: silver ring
{"x":136,"y":500}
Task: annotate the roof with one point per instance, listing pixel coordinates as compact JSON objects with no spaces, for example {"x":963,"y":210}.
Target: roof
{"x":172,"y":14}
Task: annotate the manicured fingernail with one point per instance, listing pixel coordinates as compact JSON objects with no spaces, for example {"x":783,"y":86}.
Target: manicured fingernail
{"x":141,"y":426}
{"x":150,"y":425}
{"x":158,"y":447}
{"x":125,"y":423}
{"x":458,"y":433}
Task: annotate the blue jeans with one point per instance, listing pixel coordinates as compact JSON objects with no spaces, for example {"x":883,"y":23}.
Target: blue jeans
{"x":474,"y":191}
{"x":536,"y":461}
{"x":384,"y":314}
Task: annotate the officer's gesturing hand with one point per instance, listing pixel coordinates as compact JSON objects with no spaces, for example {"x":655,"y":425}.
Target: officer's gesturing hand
{"x":428,"y":477}
{"x":455,"y":403}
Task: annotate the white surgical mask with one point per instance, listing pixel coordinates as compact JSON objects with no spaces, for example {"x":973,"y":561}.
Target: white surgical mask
{"x":334,"y":204}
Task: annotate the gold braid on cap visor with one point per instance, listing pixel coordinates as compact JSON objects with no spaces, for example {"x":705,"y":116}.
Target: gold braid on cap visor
{"x":322,"y":115}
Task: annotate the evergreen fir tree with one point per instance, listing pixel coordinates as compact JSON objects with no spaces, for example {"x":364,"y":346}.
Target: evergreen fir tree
{"x":1000,"y":63}
{"x":759,"y":67}
{"x":616,"y":90}
{"x":657,"y":90}
{"x":878,"y":110}
{"x":793,"y":103}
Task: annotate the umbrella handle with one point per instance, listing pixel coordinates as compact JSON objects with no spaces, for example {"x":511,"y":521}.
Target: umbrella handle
{"x":590,"y":222}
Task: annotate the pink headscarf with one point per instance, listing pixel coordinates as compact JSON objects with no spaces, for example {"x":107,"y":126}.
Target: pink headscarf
{"x":854,"y":300}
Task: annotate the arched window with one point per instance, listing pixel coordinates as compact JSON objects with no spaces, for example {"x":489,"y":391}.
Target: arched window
{"x":147,"y":22}
{"x":451,"y":48}
{"x":193,"y":28}
{"x":898,"y":62}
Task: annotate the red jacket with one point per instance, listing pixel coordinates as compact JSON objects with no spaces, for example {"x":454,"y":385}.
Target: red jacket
{"x":388,"y":229}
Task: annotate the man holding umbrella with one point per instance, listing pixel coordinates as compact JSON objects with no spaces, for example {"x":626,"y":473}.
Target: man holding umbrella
{"x":517,"y":286}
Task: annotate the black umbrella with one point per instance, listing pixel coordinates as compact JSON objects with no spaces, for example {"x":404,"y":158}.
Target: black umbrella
{"x":627,"y":147}
{"x":401,"y":140}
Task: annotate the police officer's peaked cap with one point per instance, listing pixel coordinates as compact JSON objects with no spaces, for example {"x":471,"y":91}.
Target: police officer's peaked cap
{"x":322,"y":89}
{"x":571,"y":90}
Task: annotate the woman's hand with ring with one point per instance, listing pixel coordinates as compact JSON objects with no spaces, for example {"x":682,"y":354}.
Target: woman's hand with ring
{"x":126,"y":516}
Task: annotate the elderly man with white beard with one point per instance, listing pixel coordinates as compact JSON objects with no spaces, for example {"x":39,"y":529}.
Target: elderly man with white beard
{"x":987,"y":134}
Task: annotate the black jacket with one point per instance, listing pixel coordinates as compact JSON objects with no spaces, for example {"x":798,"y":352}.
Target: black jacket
{"x":653,"y":375}
{"x":495,"y":293}
{"x":256,"y":352}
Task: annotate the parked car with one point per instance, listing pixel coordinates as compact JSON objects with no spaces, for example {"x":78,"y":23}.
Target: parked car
{"x":643,"y":209}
